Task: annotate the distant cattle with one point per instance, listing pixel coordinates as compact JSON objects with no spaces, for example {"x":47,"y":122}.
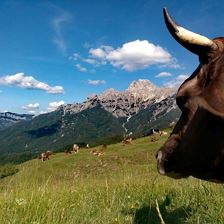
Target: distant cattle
{"x":163,"y":133}
{"x":50,"y":153}
{"x":75,"y":148}
{"x":44,"y":156}
{"x":196,"y":144}
{"x":100,"y":151}
{"x":127,"y":141}
{"x":87,"y":146}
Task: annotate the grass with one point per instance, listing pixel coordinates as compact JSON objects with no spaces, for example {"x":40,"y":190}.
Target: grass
{"x":122,"y":186}
{"x":7,"y":170}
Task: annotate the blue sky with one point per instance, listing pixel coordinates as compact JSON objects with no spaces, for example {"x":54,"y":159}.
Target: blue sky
{"x":63,"y":51}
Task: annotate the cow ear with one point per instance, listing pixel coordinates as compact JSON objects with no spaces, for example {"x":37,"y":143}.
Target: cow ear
{"x":213,"y":98}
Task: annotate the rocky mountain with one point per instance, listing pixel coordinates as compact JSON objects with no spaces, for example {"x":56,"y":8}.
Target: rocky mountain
{"x":100,"y":119}
{"x":139,"y":95}
{"x":7,"y":119}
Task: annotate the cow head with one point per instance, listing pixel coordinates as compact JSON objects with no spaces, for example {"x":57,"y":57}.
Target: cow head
{"x":196,"y":145}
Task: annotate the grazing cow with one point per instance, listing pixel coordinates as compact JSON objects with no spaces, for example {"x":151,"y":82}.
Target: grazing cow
{"x":127,"y":141}
{"x":163,"y":133}
{"x":87,"y":146}
{"x":50,"y":153}
{"x":94,"y":152}
{"x":75,"y":148}
{"x":44,"y":156}
{"x":100,"y":151}
{"x":196,"y":144}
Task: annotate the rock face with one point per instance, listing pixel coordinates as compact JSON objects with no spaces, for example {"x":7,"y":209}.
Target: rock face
{"x":7,"y":119}
{"x":139,"y":95}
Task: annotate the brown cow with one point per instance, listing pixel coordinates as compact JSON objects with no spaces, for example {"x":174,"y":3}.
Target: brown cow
{"x":196,"y":145}
{"x":100,"y":151}
{"x":163,"y":133}
{"x":44,"y":156}
{"x":127,"y":141}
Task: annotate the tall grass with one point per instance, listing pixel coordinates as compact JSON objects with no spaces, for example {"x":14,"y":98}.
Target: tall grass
{"x":120,"y":187}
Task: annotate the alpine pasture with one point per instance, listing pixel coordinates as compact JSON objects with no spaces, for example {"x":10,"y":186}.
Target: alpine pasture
{"x":122,"y":186}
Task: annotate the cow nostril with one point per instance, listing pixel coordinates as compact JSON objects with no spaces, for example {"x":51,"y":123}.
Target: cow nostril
{"x":156,"y":155}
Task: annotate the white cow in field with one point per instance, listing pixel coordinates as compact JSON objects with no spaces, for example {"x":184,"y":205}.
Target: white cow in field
{"x":75,"y":148}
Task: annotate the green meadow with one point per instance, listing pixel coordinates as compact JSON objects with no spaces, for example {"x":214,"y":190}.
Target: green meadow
{"x":122,"y":186}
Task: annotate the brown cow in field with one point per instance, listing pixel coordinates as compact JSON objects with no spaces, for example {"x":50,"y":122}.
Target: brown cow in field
{"x":100,"y":151}
{"x":127,"y":141}
{"x":163,"y":133}
{"x":50,"y":153}
{"x":196,"y":145}
{"x":44,"y":156}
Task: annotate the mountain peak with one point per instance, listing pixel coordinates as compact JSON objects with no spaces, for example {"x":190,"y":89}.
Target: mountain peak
{"x":109,"y":93}
{"x":141,"y":84}
{"x":142,"y":88}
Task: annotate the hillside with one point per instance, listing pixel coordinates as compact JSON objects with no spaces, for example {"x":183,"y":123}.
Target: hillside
{"x":53,"y":132}
{"x":100,"y":119}
{"x":122,"y":187}
{"x":8,"y":119}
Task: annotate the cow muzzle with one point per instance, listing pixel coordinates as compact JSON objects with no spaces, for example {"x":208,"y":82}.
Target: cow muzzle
{"x":164,"y":166}
{"x":160,"y":163}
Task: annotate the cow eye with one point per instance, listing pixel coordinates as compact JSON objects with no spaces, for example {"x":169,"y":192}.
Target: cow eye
{"x":181,"y":101}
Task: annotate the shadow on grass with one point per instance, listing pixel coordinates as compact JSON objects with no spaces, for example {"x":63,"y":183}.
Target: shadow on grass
{"x":149,"y":214}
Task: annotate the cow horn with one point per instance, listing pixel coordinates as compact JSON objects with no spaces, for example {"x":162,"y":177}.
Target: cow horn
{"x":194,"y":42}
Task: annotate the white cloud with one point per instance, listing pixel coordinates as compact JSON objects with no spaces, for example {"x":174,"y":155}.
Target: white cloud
{"x":90,"y":61}
{"x":96,"y":82}
{"x":80,"y":68}
{"x":133,"y":55}
{"x":31,"y":106}
{"x":101,"y":52}
{"x":163,"y":74}
{"x":97,"y":53}
{"x":177,"y":81}
{"x":54,"y":105}
{"x":58,"y":23}
{"x":74,"y":57}
{"x":182,"y":77}
{"x":28,"y":82}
